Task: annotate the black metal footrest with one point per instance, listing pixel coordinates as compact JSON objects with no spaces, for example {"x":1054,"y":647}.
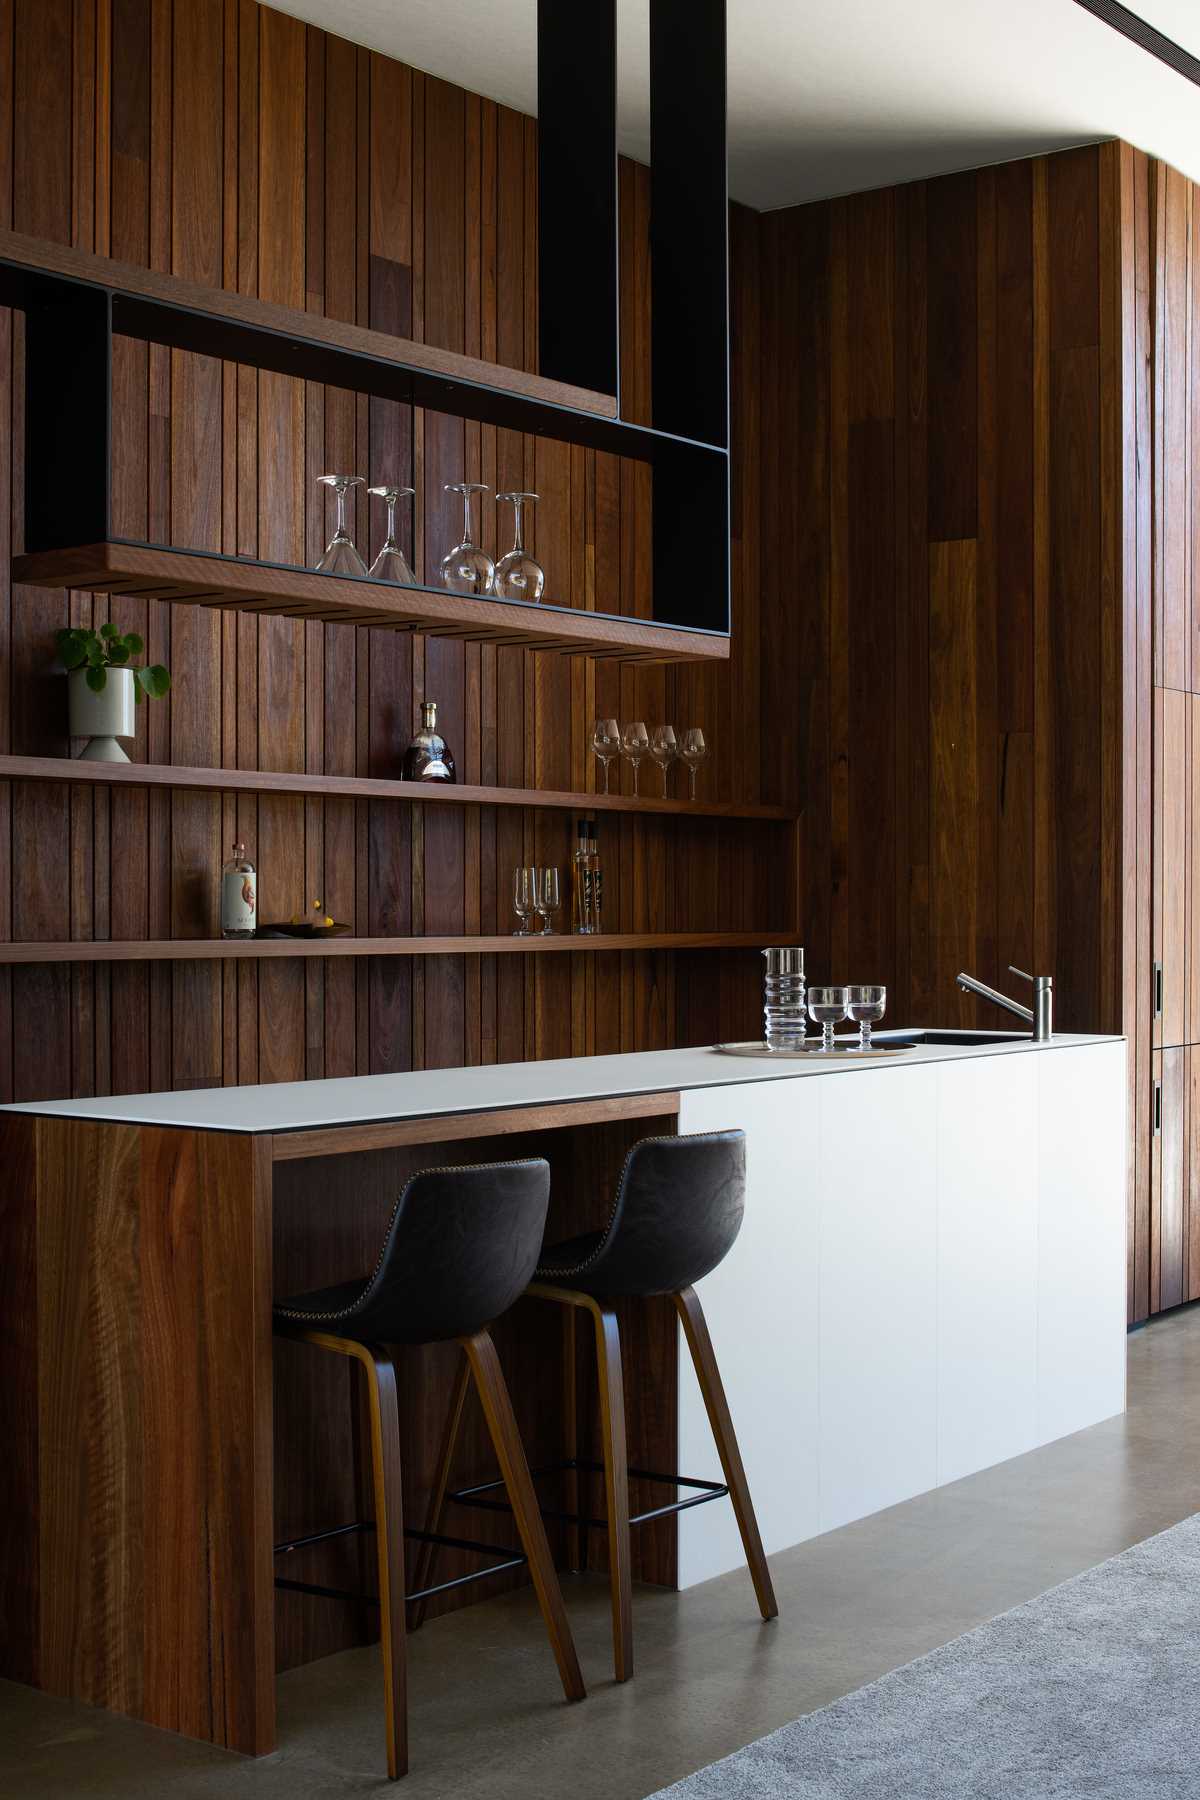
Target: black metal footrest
{"x":512,"y":1559}
{"x":708,"y":1490}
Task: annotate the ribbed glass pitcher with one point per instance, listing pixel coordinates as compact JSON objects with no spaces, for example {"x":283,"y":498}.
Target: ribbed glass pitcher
{"x":784,"y":998}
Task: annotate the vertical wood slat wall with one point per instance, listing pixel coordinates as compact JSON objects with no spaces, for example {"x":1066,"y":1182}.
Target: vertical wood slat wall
{"x":954,"y":519}
{"x":234,"y":145}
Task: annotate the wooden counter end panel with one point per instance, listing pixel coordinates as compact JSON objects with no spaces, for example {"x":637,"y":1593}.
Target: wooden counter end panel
{"x":390,"y":1134}
{"x":136,"y":1568}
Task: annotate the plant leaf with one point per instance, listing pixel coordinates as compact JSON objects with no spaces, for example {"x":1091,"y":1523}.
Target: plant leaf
{"x":134,"y":644}
{"x":72,"y":649}
{"x":118,"y":651}
{"x":96,"y":678}
{"x":154,"y":681}
{"x":109,"y":630}
{"x":95,"y":654}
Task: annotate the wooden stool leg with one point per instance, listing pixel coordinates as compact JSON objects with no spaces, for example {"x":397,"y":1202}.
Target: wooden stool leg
{"x":571,"y":1436}
{"x":616,"y":1485}
{"x":695,"y":1329}
{"x":389,"y":1539}
{"x":437,"y":1493}
{"x":497,"y":1407}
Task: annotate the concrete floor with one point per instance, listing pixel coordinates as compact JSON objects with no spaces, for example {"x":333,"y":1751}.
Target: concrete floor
{"x":485,"y":1718}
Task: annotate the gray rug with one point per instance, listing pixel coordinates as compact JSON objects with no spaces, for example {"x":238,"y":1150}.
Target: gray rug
{"x":1092,"y":1689}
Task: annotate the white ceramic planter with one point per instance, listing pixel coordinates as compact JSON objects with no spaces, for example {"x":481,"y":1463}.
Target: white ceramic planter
{"x":102,"y":718}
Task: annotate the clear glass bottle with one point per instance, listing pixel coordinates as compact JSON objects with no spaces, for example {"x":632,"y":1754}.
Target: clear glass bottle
{"x":595,"y":880}
{"x":428,"y":757}
{"x":239,"y":895}
{"x":785,"y":1012}
{"x":581,"y":913}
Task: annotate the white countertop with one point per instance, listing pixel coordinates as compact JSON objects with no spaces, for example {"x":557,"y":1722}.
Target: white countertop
{"x":423,"y":1093}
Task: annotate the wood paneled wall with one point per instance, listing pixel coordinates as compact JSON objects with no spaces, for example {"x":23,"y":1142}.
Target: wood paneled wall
{"x":973,"y":537}
{"x":233,"y":145}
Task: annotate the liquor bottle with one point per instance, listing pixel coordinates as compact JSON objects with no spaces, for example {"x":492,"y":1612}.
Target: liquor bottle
{"x":239,"y":895}
{"x":581,"y":885}
{"x":595,"y":880}
{"x":428,"y":757}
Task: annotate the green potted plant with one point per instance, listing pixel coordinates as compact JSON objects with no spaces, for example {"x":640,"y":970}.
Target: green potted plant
{"x":103,"y":687}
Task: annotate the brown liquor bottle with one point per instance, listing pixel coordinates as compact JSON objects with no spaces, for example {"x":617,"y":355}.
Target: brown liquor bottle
{"x":428,"y":757}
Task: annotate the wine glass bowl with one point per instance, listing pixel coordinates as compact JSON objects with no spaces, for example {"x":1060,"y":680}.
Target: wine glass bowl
{"x":635,"y":743}
{"x":664,"y":748}
{"x":391,"y":564}
{"x":341,"y":558}
{"x":693,"y":750}
{"x":518,"y":576}
{"x":827,"y":1008}
{"x":467,"y":569}
{"x":606,"y":743}
{"x":865,"y":1006}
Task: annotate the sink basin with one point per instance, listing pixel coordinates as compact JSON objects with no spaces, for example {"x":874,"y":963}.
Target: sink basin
{"x":952,"y":1037}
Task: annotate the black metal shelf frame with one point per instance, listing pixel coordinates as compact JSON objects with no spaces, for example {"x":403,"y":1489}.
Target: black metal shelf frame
{"x":70,"y":322}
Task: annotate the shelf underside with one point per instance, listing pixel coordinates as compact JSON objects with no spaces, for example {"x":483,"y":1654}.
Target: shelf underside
{"x":352,"y":787}
{"x":224,"y":950}
{"x":146,"y":571}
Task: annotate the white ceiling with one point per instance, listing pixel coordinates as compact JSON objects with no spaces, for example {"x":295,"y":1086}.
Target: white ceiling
{"x":835,"y":96}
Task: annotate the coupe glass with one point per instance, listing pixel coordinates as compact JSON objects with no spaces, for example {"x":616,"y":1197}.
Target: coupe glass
{"x":467,"y":569}
{"x":827,"y":1008}
{"x":341,"y":558}
{"x":606,"y":742}
{"x":524,"y":899}
{"x":518,"y":576}
{"x":548,"y":899}
{"x":866,"y":1006}
{"x":391,"y":564}
{"x":693,"y":750}
{"x":664,"y":748}
{"x":635,"y":742}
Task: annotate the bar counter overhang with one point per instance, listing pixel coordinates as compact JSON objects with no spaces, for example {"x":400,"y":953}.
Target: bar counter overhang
{"x":930,"y":1279}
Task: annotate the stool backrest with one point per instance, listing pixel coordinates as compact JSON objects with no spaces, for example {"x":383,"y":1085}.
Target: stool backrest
{"x":461,"y":1246}
{"x":678,"y":1210}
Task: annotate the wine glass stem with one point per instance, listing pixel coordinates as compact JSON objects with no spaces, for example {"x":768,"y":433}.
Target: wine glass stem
{"x":636,"y":766}
{"x":467,"y":518}
{"x":606,"y":760}
{"x":391,"y":525}
{"x":663,"y":768}
{"x":341,"y":513}
{"x":864,"y":1035}
{"x":827,"y":1035}
{"x":518,"y":542}
{"x":692,"y":779}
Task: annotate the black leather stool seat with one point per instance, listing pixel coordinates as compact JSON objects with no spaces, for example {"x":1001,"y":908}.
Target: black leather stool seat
{"x":460,"y":1246}
{"x":677,"y":1213}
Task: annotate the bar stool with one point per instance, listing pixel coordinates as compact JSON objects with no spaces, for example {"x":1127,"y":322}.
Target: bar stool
{"x":677,"y":1212}
{"x":460,"y":1247}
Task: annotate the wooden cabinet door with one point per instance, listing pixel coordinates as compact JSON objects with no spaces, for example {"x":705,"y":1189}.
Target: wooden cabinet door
{"x":1169,"y":1178}
{"x":1173,"y":839}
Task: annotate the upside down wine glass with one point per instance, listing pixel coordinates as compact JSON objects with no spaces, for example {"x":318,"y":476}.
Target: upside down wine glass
{"x":467,"y":569}
{"x":518,"y":576}
{"x":341,"y":558}
{"x":391,"y":564}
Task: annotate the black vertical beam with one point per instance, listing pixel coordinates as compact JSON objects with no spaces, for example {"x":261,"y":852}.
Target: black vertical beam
{"x":577,"y":192}
{"x":689,"y":220}
{"x":68,"y":429}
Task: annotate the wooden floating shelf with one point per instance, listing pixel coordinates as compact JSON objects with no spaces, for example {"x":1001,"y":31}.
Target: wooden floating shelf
{"x":152,"y":572}
{"x":355,"y":787}
{"x":254,"y":949}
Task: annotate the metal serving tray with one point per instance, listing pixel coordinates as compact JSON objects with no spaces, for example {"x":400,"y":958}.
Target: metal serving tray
{"x":840,"y":1053}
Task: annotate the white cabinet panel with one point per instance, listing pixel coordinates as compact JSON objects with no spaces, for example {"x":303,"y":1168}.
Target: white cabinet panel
{"x":877,"y":1172}
{"x":987,"y":1264}
{"x":761,"y":1305}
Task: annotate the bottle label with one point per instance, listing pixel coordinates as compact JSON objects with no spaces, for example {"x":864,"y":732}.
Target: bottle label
{"x":239,"y":901}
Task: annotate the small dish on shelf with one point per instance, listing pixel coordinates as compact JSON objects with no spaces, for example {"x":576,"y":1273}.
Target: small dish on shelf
{"x":288,"y":928}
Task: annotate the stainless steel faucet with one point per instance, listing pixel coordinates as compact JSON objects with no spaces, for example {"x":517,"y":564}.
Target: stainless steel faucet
{"x":1039,"y":1015}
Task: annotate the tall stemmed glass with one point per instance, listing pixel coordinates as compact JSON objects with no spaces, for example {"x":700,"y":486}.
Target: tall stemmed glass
{"x":391,"y":564}
{"x":635,"y":742}
{"x":341,"y":558}
{"x":693,"y":751}
{"x":547,"y":898}
{"x":467,"y":569}
{"x":524,"y":899}
{"x":827,"y":1008}
{"x":606,"y":742}
{"x":664,"y":749}
{"x":519,"y":576}
{"x":866,"y":1006}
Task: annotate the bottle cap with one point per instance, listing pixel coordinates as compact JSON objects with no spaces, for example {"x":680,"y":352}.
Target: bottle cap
{"x":429,"y":714}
